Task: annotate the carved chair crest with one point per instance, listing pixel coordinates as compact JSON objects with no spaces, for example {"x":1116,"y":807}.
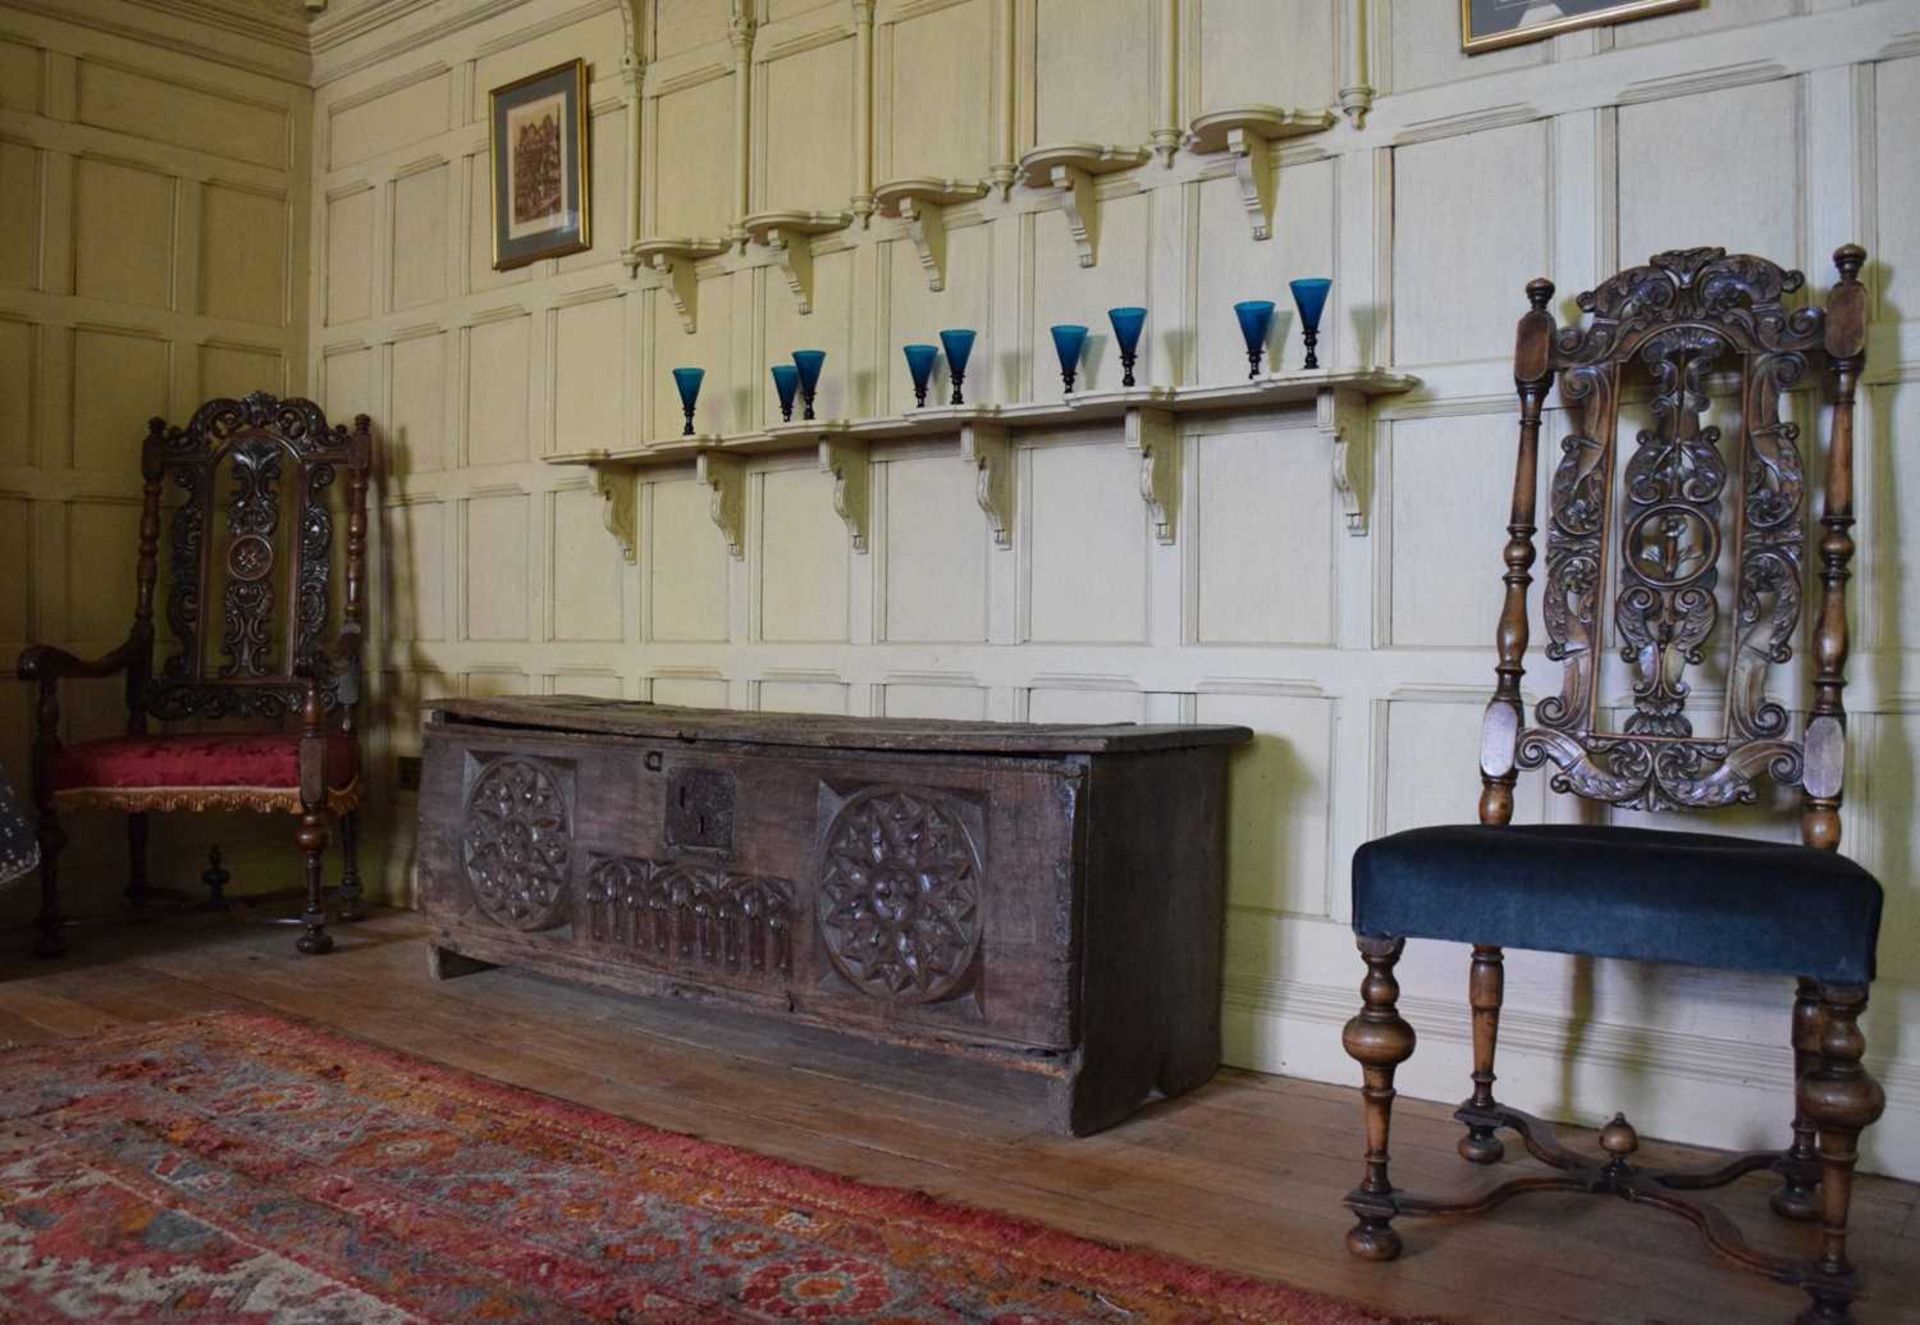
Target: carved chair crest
{"x":248,"y":493}
{"x":1691,"y":537}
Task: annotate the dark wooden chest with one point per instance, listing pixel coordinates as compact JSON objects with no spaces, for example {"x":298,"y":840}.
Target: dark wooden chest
{"x":1045,"y":899}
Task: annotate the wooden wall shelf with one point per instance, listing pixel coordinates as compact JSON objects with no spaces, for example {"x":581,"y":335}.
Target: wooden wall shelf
{"x":789,"y":235}
{"x":674,"y":259}
{"x":1246,"y":132}
{"x":1071,"y":169}
{"x":922,"y":202}
{"x":1147,"y":416}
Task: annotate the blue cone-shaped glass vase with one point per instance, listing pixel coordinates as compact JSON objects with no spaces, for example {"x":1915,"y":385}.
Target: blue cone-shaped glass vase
{"x":1310,"y":297}
{"x":808,"y":362}
{"x":958,"y":344}
{"x":1126,"y":330}
{"x":1067,"y":342}
{"x":688,"y":380}
{"x":920,"y":361}
{"x":1256,"y":315}
{"x":786,"y":381}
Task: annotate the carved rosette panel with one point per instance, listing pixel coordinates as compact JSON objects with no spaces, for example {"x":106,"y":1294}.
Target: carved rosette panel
{"x":898,"y":898}
{"x":692,"y":914}
{"x":1681,"y":316}
{"x":516,"y":841}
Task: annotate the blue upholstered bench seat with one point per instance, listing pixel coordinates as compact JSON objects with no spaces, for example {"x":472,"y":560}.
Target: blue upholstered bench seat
{"x":1726,"y":902}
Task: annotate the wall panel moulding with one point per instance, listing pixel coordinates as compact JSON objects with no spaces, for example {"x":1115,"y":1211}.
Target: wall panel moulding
{"x":921,"y":203}
{"x":789,"y":237}
{"x":674,"y":259}
{"x":1246,"y":132}
{"x":1070,"y":169}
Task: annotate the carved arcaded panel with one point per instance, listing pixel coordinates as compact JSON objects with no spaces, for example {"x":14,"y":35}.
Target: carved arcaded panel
{"x":516,"y":841}
{"x":691,"y":915}
{"x":899,"y":892}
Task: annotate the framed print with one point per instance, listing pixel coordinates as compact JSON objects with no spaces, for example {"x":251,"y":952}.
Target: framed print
{"x":537,"y":131}
{"x":1487,"y":25}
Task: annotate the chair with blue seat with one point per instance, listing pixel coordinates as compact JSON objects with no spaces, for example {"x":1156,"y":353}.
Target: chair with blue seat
{"x":1695,"y":542}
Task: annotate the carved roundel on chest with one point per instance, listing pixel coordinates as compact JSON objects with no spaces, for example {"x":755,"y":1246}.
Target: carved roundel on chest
{"x":898,"y":900}
{"x":516,"y":840}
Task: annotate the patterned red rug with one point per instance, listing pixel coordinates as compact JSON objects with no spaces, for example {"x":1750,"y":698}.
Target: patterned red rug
{"x":245,"y":1168}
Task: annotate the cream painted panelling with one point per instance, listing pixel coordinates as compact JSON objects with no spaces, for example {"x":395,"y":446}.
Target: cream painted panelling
{"x":1354,"y":640}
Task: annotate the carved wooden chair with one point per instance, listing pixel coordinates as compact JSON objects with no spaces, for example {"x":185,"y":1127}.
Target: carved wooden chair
{"x":271,"y":465}
{"x":1678,"y":551}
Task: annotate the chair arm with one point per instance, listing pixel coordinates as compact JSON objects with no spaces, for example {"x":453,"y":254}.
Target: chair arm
{"x":46,"y":664}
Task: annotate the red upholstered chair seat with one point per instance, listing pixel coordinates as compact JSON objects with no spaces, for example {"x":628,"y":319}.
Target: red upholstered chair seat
{"x":195,"y":759}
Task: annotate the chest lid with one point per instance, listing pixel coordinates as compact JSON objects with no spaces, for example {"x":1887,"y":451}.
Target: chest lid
{"x":618,"y":717}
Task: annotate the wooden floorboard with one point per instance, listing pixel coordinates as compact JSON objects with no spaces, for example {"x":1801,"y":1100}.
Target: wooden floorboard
{"x":1245,"y":1174}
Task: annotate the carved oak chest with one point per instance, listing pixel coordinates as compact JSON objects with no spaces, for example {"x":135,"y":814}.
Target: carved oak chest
{"x":1046,"y":899}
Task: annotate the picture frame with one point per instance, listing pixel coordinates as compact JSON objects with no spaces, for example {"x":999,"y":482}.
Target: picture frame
{"x":540,"y":166}
{"x":1491,"y":25}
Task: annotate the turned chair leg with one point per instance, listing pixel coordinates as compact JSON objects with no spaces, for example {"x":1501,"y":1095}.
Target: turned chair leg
{"x":137,"y":860}
{"x":215,"y":878}
{"x":1842,"y":1100}
{"x":1379,"y":1041}
{"x":1485,"y":988}
{"x":47,"y":940}
{"x":351,"y":907}
{"x":1800,"y":1165}
{"x":312,"y":839}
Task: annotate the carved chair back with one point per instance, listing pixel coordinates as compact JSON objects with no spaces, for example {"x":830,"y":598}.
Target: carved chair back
{"x":1693,"y":538}
{"x":248,"y":494}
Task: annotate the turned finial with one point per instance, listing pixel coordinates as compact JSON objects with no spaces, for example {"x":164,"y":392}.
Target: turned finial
{"x":1849,"y":258}
{"x":1539,"y":291}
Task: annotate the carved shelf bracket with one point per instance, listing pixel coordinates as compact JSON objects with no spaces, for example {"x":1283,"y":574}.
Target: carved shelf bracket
{"x":1342,"y":418}
{"x":726,"y":476}
{"x":674,"y":259}
{"x":848,"y":463}
{"x":921,"y":203}
{"x":619,"y":489}
{"x":1070,"y":169}
{"x":1152,"y":434}
{"x":789,"y":237}
{"x":984,"y":446}
{"x":1247,"y":134}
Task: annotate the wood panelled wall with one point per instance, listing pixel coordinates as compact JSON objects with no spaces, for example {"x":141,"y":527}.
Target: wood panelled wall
{"x":1360,"y":650}
{"x":153,"y":223}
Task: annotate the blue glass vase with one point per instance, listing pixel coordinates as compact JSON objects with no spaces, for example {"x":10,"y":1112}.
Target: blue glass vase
{"x":1126,"y":330}
{"x":920,"y":361}
{"x":1310,"y":297}
{"x":786,"y":381}
{"x":1255,"y":315}
{"x":958,"y":345}
{"x":688,"y":380}
{"x":808,"y":362}
{"x":1067,"y":342}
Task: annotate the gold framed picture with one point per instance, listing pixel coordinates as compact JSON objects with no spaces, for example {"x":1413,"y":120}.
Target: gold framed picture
{"x":537,"y":136}
{"x":1488,"y":25}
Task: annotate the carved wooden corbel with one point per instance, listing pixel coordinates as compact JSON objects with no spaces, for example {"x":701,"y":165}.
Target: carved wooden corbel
{"x":984,"y":446}
{"x":726,"y":476}
{"x":1070,"y":169}
{"x":848,"y":463}
{"x":1152,"y":434}
{"x":1341,"y":417}
{"x":674,"y":259}
{"x":921,"y":203}
{"x":619,"y":489}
